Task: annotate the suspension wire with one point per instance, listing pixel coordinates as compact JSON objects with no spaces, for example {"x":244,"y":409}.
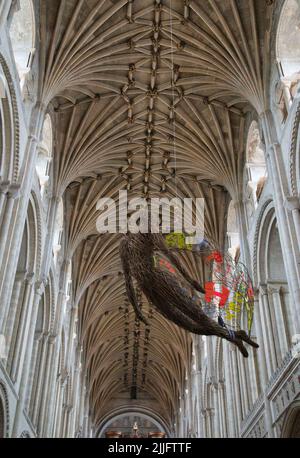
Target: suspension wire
{"x":173,"y":95}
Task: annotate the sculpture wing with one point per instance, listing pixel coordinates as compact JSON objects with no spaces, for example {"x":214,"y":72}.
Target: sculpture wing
{"x":128,"y":282}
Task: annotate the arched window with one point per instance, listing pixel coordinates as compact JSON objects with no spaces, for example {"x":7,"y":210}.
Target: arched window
{"x":291,"y":424}
{"x":255,"y":170}
{"x":288,"y":56}
{"x":233,"y":237}
{"x":288,"y":39}
{"x":22,"y":35}
{"x":9,"y":126}
{"x":4,"y":411}
{"x":58,"y":229}
{"x":274,"y":292}
{"x":2,"y":419}
{"x":44,"y":155}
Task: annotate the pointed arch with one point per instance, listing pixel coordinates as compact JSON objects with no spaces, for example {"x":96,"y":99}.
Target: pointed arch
{"x":22,"y":36}
{"x":291,"y":424}
{"x":255,"y":171}
{"x":9,"y":127}
{"x":288,"y":39}
{"x":4,"y":411}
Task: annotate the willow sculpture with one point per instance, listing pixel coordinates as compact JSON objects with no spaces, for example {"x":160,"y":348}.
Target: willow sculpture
{"x":163,"y":289}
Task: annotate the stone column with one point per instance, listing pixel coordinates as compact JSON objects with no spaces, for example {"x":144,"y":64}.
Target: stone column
{"x":64,"y":413}
{"x":50,"y":234}
{"x":223,"y":408}
{"x":9,"y":326}
{"x":241,"y":221}
{"x":259,"y":326}
{"x":68,"y":412}
{"x":188,"y":406}
{"x":274,"y":335}
{"x":26,"y":366}
{"x":274,"y":290}
{"x":4,"y":10}
{"x":4,"y":235}
{"x":244,"y":392}
{"x":40,"y":379}
{"x":253,"y":392}
{"x":292,"y":204}
{"x":52,"y":423}
{"x":6,"y":220}
{"x":49,"y":427}
{"x":59,"y":402}
{"x":209,"y":416}
{"x":76,"y":398}
{"x":44,"y":417}
{"x":287,"y":94}
{"x":71,"y":332}
{"x":204,"y":415}
{"x":268,"y":417}
{"x":23,"y":325}
{"x":60,"y":304}
{"x":232,"y":417}
{"x":236,"y":387}
{"x":267,"y":330}
{"x":67,"y":406}
{"x":81,"y":408}
{"x":3,"y":194}
{"x":198,"y":389}
{"x":86,"y":425}
{"x":31,"y":382}
{"x":217,"y":412}
{"x":9,"y":264}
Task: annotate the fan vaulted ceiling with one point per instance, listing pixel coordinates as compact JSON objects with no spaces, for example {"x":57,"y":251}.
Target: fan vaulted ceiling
{"x":148,"y":96}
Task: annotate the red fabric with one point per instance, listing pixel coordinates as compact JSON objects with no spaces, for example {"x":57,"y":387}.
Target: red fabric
{"x":210,"y":293}
{"x":216,"y":256}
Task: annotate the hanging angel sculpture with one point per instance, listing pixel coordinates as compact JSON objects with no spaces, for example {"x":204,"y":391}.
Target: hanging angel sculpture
{"x":163,"y":288}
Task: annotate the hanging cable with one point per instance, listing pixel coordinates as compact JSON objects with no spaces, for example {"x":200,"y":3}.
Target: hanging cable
{"x":173,"y":96}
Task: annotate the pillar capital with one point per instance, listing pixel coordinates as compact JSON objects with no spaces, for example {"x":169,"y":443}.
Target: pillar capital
{"x":45,"y":336}
{"x":286,"y":82}
{"x":274,"y":289}
{"x":263,"y":289}
{"x":67,"y":407}
{"x":32,"y":138}
{"x":54,"y":197}
{"x":64,"y":376}
{"x":292,"y":203}
{"x":39,"y":287}
{"x":38,"y":335}
{"x":4,"y":186}
{"x":30,"y":276}
{"x":21,"y":275}
{"x":13,"y":191}
{"x":52,"y":338}
{"x":255,"y":291}
{"x":237,"y":202}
